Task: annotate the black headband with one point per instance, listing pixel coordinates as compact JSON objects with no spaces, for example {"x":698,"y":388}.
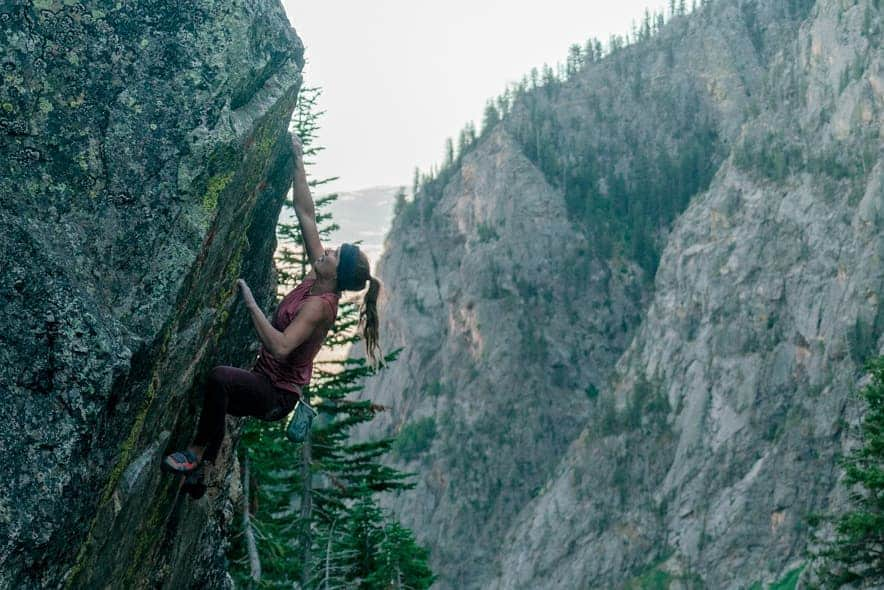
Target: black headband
{"x":347,"y":268}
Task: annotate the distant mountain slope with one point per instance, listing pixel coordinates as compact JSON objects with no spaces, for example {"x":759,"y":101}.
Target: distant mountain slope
{"x":632,"y":313}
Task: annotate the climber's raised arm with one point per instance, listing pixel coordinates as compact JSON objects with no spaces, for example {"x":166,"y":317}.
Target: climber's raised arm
{"x":303,"y":202}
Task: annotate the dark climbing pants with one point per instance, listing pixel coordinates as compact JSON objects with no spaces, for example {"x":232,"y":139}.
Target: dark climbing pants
{"x":239,"y":393}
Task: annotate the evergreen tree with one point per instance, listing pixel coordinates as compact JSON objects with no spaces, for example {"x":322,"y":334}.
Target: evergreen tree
{"x":490,"y":118}
{"x":574,"y":61}
{"x":303,"y":494}
{"x":401,"y":563}
{"x":370,"y":552}
{"x":856,"y":554}
{"x":589,"y":51}
{"x":400,"y":202}
{"x":466,"y":138}
{"x":449,"y":152}
{"x":503,"y":103}
{"x":416,"y":182}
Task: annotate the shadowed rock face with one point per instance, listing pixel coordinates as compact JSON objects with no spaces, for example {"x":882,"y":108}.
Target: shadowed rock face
{"x":145,"y":164}
{"x":723,"y":383}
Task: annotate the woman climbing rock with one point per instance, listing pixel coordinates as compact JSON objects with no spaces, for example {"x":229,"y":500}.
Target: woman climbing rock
{"x":290,"y":341}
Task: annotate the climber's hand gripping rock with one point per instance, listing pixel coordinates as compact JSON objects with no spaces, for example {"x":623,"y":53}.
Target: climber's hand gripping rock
{"x":247,"y":296}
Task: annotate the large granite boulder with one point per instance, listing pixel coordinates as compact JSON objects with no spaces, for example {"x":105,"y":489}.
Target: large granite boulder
{"x":145,"y":164}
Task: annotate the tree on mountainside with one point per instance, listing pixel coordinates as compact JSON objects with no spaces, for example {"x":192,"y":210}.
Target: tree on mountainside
{"x":599,"y":50}
{"x":399,"y":201}
{"x":449,"y":152}
{"x":646,"y":26}
{"x":504,"y":101}
{"x":574,"y":60}
{"x":589,"y":51}
{"x":466,"y":139}
{"x":490,"y":118}
{"x":856,"y":553}
{"x":416,"y":181}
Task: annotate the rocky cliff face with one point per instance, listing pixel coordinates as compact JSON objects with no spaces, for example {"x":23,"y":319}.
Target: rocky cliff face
{"x":144,"y":169}
{"x":483,"y":295}
{"x":576,"y":424}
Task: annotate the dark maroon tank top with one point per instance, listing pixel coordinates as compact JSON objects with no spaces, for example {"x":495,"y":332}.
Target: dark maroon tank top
{"x":294,"y":372}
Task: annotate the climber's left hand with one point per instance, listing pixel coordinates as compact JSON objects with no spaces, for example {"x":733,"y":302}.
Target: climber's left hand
{"x":247,"y":296}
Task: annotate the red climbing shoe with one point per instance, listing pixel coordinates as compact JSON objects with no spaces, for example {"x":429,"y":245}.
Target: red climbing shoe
{"x":180,"y":462}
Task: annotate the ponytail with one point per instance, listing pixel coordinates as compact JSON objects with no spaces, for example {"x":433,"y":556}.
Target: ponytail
{"x":368,"y":323}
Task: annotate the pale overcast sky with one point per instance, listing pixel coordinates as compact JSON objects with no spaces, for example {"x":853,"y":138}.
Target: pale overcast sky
{"x":399,"y":76}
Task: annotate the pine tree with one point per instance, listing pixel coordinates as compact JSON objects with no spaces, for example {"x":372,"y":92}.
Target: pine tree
{"x":503,"y":103}
{"x":449,"y":153}
{"x":490,"y":118}
{"x":856,"y":554}
{"x":400,"y":562}
{"x":400,"y":202}
{"x":549,"y":78}
{"x":646,"y":26}
{"x":589,"y":51}
{"x":535,"y":78}
{"x":416,"y":182}
{"x":466,"y":139}
{"x":574,"y":60}
{"x":368,"y":551}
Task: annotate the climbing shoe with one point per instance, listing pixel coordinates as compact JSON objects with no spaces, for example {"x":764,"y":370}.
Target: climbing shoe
{"x":180,"y":462}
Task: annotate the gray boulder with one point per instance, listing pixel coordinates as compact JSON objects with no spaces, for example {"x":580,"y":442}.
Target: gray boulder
{"x":145,"y":163}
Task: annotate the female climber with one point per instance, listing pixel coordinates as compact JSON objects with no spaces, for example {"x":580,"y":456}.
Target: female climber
{"x":290,"y":341}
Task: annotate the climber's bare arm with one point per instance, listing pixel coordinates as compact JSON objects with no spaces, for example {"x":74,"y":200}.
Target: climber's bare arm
{"x":313,"y":313}
{"x":304,"y":207}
